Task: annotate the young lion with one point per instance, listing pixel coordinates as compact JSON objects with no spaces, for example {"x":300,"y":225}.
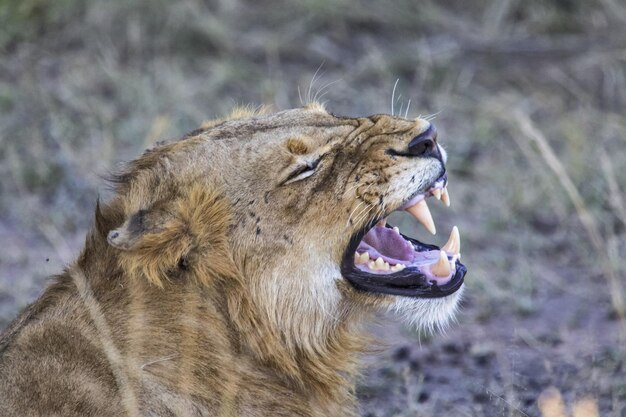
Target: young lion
{"x":229,"y":274}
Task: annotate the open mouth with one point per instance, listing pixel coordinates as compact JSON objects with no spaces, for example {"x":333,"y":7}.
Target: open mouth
{"x":381,"y":259}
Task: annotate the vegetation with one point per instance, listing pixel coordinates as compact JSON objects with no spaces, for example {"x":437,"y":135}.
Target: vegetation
{"x":529,"y":100}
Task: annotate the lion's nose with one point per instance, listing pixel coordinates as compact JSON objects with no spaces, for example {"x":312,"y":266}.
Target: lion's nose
{"x":425,"y":144}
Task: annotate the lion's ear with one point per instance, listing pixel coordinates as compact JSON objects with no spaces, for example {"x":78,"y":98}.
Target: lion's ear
{"x":187,"y":232}
{"x":153,"y":243}
{"x":129,"y":235}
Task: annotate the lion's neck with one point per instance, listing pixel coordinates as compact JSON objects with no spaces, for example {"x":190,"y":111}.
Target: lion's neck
{"x":196,"y":341}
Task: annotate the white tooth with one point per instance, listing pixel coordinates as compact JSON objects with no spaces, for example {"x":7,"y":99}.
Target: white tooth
{"x":437,"y":193}
{"x":382,"y":223}
{"x":371,"y":265}
{"x":453,"y":246}
{"x":445,"y":197}
{"x":380,"y":263}
{"x":442,"y":267}
{"x":398,"y":267}
{"x":365,"y":257}
{"x":385,"y":267}
{"x":395,"y":229}
{"x":360,"y":258}
{"x":421,"y":212}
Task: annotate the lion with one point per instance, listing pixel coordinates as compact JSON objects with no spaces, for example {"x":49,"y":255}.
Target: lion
{"x":232,"y":271}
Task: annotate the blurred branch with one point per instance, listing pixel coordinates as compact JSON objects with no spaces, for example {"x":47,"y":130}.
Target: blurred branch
{"x":616,"y":199}
{"x":529,"y":129}
{"x":544,"y":46}
{"x":615,"y":9}
{"x":523,"y":122}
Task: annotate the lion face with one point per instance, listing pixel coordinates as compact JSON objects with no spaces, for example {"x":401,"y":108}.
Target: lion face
{"x":310,"y":193}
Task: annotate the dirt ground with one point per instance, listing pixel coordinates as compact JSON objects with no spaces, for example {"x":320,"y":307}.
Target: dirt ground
{"x":529,"y":99}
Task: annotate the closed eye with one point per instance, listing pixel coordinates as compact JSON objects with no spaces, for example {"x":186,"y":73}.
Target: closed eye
{"x":302,"y":172}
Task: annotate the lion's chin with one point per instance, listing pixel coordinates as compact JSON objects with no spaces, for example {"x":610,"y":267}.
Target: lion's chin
{"x":431,"y":315}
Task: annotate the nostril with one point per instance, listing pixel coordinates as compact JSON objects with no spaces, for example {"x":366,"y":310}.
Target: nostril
{"x":424,"y":144}
{"x":421,"y":147}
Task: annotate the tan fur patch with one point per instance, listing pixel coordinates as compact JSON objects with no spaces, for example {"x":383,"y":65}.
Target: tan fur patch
{"x":211,"y":284}
{"x":298,"y":146}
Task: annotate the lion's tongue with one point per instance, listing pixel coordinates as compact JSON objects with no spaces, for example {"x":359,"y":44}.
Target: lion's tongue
{"x":388,"y":244}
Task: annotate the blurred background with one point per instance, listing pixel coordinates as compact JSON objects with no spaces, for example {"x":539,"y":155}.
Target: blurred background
{"x":528,"y":98}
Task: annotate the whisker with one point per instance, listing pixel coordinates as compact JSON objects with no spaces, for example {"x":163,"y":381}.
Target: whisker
{"x":383,"y":208}
{"x":406,"y":113}
{"x":166,"y":358}
{"x":350,"y":188}
{"x":393,"y":94}
{"x":324,"y":87}
{"x":308,"y":93}
{"x":364,"y":211}
{"x":366,"y":208}
{"x":362,"y":216}
{"x":356,"y":186}
{"x":432,"y":116}
{"x":350,"y":217}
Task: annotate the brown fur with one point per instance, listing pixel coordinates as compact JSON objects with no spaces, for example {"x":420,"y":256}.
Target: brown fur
{"x":209,"y":285}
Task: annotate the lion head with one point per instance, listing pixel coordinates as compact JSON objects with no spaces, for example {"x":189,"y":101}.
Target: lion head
{"x":292,"y":206}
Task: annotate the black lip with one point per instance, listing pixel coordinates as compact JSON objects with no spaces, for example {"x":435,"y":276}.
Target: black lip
{"x":408,"y":283}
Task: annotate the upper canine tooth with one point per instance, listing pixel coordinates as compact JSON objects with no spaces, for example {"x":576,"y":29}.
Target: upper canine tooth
{"x":382,"y":222}
{"x":437,"y":193}
{"x":445,"y":197}
{"x":453,"y":246}
{"x":442,"y":267}
{"x":421,"y":212}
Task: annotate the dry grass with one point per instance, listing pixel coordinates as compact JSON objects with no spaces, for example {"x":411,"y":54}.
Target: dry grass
{"x":528,"y":98}
{"x":528,"y":128}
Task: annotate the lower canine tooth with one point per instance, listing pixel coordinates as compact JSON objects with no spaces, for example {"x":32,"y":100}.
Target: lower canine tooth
{"x":421,"y":212}
{"x":442,"y":267}
{"x":453,"y":246}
